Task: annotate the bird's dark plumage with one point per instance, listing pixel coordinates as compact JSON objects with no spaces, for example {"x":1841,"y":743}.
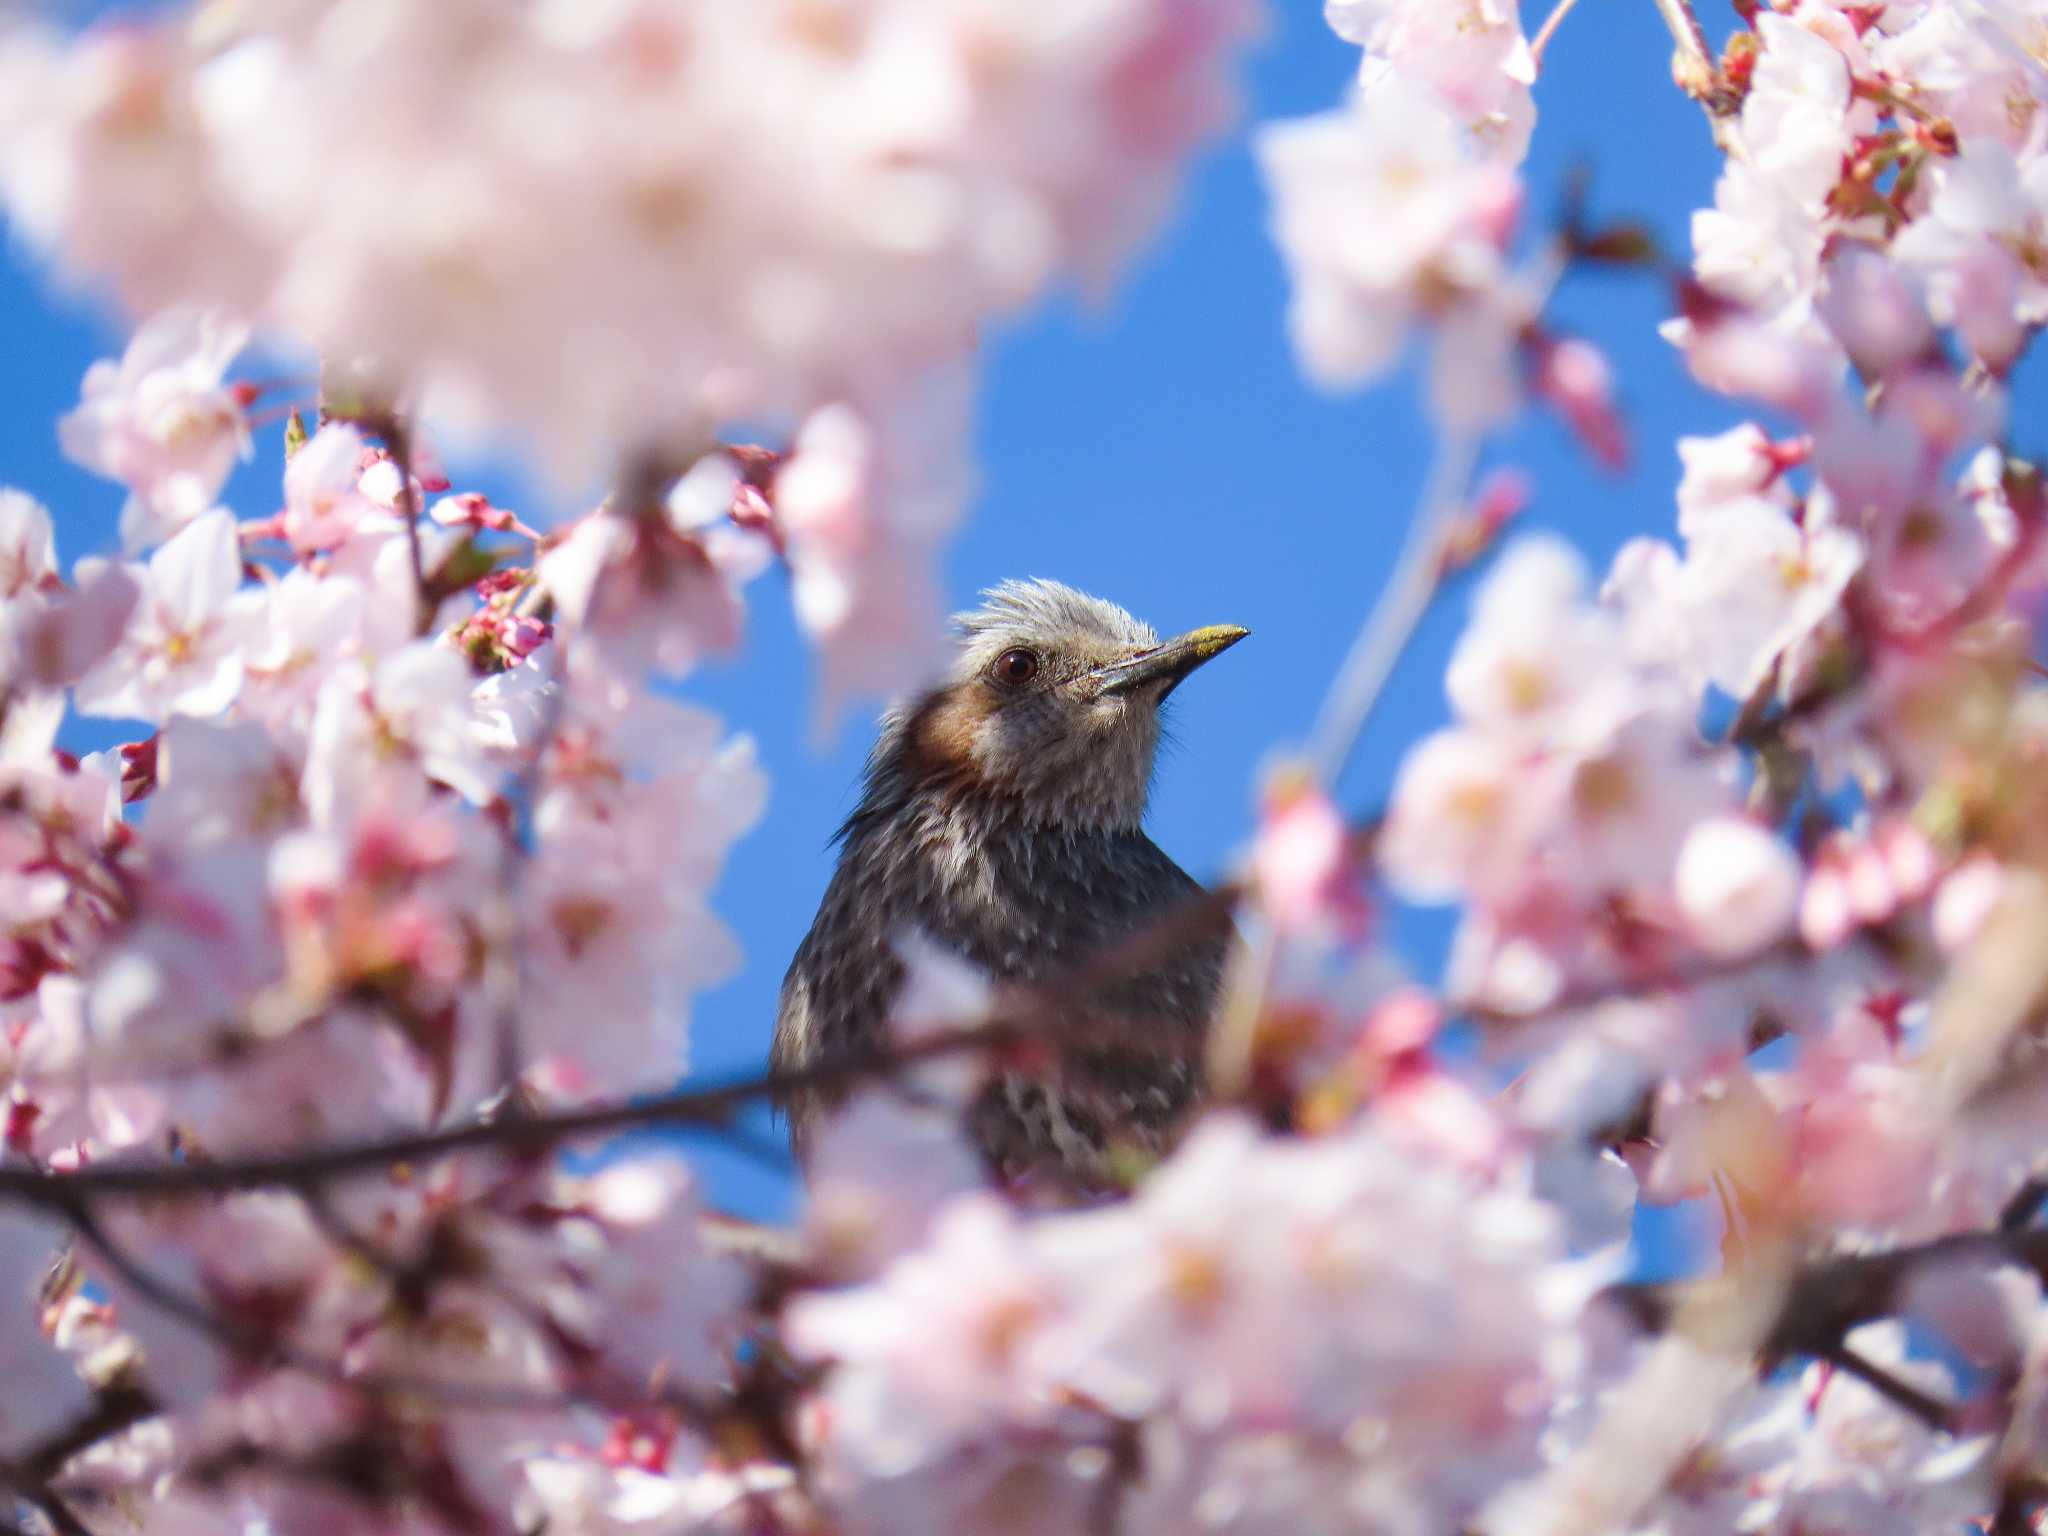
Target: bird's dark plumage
{"x":1001,"y":820}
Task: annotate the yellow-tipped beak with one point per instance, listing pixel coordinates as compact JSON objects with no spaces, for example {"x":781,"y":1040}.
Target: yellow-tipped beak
{"x":1167,"y":664}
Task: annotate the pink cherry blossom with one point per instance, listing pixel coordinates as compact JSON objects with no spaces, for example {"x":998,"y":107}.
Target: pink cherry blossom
{"x":658,"y":585}
{"x":1733,"y":466}
{"x":297,"y":631}
{"x":936,"y":1352}
{"x":647,"y":1293}
{"x":864,"y":505}
{"x":635,"y":816}
{"x":1754,"y":583}
{"x":323,"y":501}
{"x":414,"y":706}
{"x":49,"y":635}
{"x":1797,"y":118}
{"x":28,"y":546}
{"x":1737,"y":885}
{"x":1574,"y":376}
{"x":1875,"y":310}
{"x":884,"y":1169}
{"x":1987,"y":211}
{"x":161,"y":421}
{"x":943,"y":193}
{"x":1303,"y":862}
{"x":1385,"y":216}
{"x":1471,"y":52}
{"x":940,"y":995}
{"x":180,"y":651}
{"x":450,"y":876}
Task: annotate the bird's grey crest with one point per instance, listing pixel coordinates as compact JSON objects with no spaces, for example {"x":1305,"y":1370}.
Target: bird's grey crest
{"x":1040,"y":609}
{"x":1001,"y":820}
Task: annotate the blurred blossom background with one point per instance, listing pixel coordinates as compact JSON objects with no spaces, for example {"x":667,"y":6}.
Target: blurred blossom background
{"x":1160,"y":449}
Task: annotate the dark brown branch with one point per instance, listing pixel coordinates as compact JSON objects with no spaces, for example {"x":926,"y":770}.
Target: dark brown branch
{"x":1830,"y":1297}
{"x":117,"y":1408}
{"x":47,"y":1500}
{"x":266,"y":1348}
{"x":1925,"y":1406}
{"x":1021,"y":1014}
{"x":1126,"y":1467}
{"x":2024,"y":1206}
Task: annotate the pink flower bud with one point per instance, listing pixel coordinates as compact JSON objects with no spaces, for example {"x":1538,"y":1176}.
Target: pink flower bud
{"x":1574,"y":376}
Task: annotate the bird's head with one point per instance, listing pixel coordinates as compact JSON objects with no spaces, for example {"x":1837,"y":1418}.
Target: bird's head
{"x":1052,"y":703}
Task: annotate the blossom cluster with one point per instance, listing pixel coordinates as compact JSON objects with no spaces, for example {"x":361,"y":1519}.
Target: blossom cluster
{"x":605,"y":230}
{"x":388,"y":844}
{"x":1257,"y":1315}
{"x":399,"y":885}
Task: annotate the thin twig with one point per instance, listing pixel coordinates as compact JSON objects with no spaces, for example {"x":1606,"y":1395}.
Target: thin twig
{"x":62,"y":1518}
{"x":392,"y":428}
{"x":2025,"y":1204}
{"x":115,"y":1409}
{"x":1022,"y":1013}
{"x":262,"y":1346}
{"x":1693,"y":65}
{"x":505,"y":967}
{"x":1562,"y":9}
{"x":1418,"y":572}
{"x":1895,"y":1389}
{"x":1126,"y":1467}
{"x":1347,"y":709}
{"x":1829,"y":1297}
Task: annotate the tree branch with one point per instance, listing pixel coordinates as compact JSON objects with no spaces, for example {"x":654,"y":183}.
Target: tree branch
{"x":1551,"y":23}
{"x":1692,"y":66}
{"x":1829,"y":1298}
{"x":1925,"y":1406}
{"x":1388,"y":628}
{"x":2024,"y":1206}
{"x":265,"y":1347}
{"x":63,"y":1520}
{"x":1022,"y":1013}
{"x":392,"y":428}
{"x":117,"y":1408}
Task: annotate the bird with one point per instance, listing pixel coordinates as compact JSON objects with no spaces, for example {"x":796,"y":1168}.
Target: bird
{"x":1001,"y":818}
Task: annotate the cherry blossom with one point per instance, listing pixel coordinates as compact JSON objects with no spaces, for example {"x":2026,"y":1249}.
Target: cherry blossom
{"x":1753,"y":584}
{"x":323,"y":502}
{"x":28,"y":546}
{"x":1209,"y":1296}
{"x":658,"y":585}
{"x":1303,"y":861}
{"x":878,"y":149}
{"x":864,"y":506}
{"x":639,"y":800}
{"x":162,"y":422}
{"x":1386,"y":217}
{"x":1737,"y":885}
{"x":1472,"y":53}
{"x":1983,"y":223}
{"x":178,"y":654}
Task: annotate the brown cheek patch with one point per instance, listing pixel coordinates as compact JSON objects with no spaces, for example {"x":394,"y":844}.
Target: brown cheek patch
{"x":945,"y":732}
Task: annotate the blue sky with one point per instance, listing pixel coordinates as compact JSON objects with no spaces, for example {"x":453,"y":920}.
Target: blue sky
{"x":1162,"y":452}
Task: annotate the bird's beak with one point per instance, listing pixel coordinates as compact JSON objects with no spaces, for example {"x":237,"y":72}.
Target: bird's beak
{"x":1167,"y":663}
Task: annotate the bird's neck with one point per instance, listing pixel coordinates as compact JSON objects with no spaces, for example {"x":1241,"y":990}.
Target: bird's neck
{"x":907,"y":793}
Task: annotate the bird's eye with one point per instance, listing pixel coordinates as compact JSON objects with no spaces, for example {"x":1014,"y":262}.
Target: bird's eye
{"x":1013,"y":669}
